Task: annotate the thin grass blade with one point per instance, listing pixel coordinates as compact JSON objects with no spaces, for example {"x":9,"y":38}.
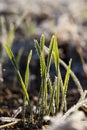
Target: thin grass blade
{"x":12,"y":58}
{"x":51,"y":100}
{"x":66,"y":81}
{"x":42,"y":65}
{"x":26,"y":83}
{"x":27,"y":69}
{"x":10,"y":36}
{"x":56,"y":54}
{"x":65,"y":86}
{"x":42,"y":42}
{"x":50,"y":54}
{"x":38,"y":49}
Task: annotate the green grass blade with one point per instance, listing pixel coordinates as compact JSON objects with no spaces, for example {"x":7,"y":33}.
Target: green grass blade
{"x":42,"y":72}
{"x":50,"y":54}
{"x":42,"y":42}
{"x":56,"y":61}
{"x":43,"y":89}
{"x":66,"y":81}
{"x":51,"y":100}
{"x":10,"y":36}
{"x":12,"y":58}
{"x":49,"y":85}
{"x":26,"y":83}
{"x":43,"y":92}
{"x":23,"y":86}
{"x":57,"y":93}
{"x":27,"y":69}
{"x":56,"y":54}
{"x":42,"y":65}
{"x":38,"y":49}
{"x":65,"y":86}
{"x":61,"y":80}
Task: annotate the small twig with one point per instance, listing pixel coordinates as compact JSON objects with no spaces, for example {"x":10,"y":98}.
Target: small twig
{"x":9,"y":119}
{"x":74,"y":108}
{"x":17,"y":112}
{"x":8,"y":124}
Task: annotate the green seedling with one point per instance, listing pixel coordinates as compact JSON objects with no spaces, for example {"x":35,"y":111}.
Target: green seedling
{"x":23,"y":84}
{"x":12,"y":58}
{"x":44,"y":72}
{"x":46,"y":85}
{"x":26,"y":82}
{"x":53,"y":54}
{"x":49,"y":102}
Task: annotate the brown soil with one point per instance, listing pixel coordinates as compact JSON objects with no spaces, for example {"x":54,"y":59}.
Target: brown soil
{"x":10,"y":100}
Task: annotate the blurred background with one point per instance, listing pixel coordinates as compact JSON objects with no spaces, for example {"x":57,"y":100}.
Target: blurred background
{"x":23,"y":21}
